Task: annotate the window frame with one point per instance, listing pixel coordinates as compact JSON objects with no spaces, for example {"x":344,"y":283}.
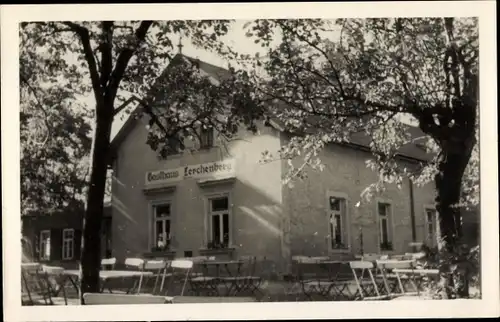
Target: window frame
{"x":72,"y":242}
{"x":153,"y":240}
{"x":42,"y":249}
{"x":345,"y":222}
{"x":208,"y":217}
{"x":390,"y":224}
{"x":435,"y":223}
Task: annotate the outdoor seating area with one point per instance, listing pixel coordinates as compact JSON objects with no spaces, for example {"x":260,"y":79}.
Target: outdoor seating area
{"x":210,"y":280}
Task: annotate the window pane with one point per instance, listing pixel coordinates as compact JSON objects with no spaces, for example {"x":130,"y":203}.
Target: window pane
{"x":68,"y":234}
{"x":159,"y":232}
{"x":385,"y":235}
{"x":167,"y":230}
{"x":216,"y":228}
{"x":332,"y":230}
{"x":162,"y":210}
{"x":225,"y":229}
{"x":382,"y":209}
{"x":334,"y":203}
{"x":220,"y":204}
{"x":338,"y":230}
{"x":206,"y":137}
{"x":430,"y":216}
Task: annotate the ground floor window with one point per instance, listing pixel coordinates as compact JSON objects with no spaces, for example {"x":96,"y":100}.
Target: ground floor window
{"x":337,"y":223}
{"x":162,"y":226}
{"x":219,"y":222}
{"x":45,"y":245}
{"x":385,"y":227}
{"x":431,"y":227}
{"x":68,"y":247}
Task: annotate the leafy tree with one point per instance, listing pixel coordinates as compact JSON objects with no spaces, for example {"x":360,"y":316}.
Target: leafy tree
{"x":327,"y":80}
{"x":55,"y":140}
{"x":117,"y":63}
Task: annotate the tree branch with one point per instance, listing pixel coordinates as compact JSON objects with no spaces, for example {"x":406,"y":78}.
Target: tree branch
{"x":106,"y":48}
{"x":124,"y":58}
{"x":83,"y":33}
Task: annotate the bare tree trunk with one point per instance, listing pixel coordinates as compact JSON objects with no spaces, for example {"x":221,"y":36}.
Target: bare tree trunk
{"x":91,"y":246}
{"x":448,"y":185}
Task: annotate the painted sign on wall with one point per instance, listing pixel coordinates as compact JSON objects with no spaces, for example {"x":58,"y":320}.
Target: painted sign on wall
{"x":211,"y":170}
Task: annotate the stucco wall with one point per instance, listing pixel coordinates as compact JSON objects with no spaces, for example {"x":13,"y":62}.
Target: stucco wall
{"x":255,"y":196}
{"x":346,"y":173}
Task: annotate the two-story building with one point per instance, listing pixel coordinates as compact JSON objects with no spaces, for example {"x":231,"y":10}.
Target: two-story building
{"x":219,"y":199}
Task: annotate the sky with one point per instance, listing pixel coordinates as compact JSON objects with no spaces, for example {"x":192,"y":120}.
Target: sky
{"x":235,"y":38}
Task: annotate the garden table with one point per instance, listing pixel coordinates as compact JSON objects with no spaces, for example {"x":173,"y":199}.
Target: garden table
{"x":231,"y":278}
{"x":105,"y":276}
{"x":323,"y":278}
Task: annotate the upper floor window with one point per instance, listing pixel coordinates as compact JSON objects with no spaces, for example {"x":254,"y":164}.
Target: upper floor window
{"x":385,"y":227}
{"x":206,"y":138}
{"x":337,"y":223}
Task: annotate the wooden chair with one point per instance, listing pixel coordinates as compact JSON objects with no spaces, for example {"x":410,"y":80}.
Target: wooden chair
{"x":108,"y":263}
{"x":138,"y":265}
{"x":247,"y":280}
{"x":106,"y":299}
{"x":366,"y":288}
{"x":55,"y":278}
{"x":35,"y":288}
{"x":389,"y":272}
{"x":159,"y":268}
{"x":182,"y":268}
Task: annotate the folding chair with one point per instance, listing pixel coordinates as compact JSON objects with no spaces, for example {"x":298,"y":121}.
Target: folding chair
{"x":106,"y":299}
{"x":389,"y":272}
{"x":159,"y":268}
{"x":248,"y":279}
{"x":180,"y":265}
{"x":35,"y":287}
{"x":312,"y":278}
{"x":367,"y":289}
{"x":55,"y":273}
{"x":137,"y":264}
{"x":108,"y":263}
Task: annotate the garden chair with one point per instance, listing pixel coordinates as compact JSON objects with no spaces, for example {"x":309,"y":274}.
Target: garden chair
{"x":313,"y":279}
{"x":367,"y":288}
{"x":392,"y":273}
{"x":138,"y":265}
{"x":247,"y":280}
{"x":159,"y":269}
{"x":35,"y":288}
{"x":180,"y":268}
{"x":108,"y":263}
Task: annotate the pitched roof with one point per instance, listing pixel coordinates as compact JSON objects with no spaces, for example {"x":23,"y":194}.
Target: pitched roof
{"x":413,"y":150}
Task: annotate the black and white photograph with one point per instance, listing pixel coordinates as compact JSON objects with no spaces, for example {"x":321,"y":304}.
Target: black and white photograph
{"x":241,"y":156}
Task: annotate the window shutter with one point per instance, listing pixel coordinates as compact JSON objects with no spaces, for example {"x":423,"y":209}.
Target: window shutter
{"x":78,"y":244}
{"x":56,"y":244}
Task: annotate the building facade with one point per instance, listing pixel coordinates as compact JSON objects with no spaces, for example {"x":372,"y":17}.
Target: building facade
{"x":55,"y":238}
{"x":221,"y":200}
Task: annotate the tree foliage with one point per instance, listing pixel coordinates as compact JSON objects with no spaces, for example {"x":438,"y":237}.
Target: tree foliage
{"x":55,"y":138}
{"x":113,"y":62}
{"x":330,"y":79}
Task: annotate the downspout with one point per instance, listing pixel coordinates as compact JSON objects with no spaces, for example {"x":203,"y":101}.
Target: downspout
{"x":412,"y":213}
